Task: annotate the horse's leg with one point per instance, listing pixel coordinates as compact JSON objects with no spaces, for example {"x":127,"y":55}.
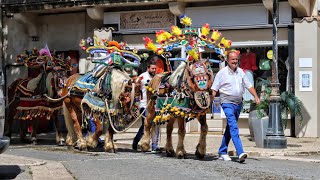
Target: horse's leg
{"x":35,"y":123}
{"x":180,"y":152}
{"x":108,"y":142}
{"x":8,"y":124}
{"x":169,"y":147}
{"x":92,"y":138}
{"x":202,"y":145}
{"x":73,"y":113}
{"x":10,"y":112}
{"x":23,"y":129}
{"x":71,"y":135}
{"x":60,"y":140}
{"x":145,"y":141}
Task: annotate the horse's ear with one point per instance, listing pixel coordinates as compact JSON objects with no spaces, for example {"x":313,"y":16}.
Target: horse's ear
{"x":138,"y":79}
{"x":207,"y":62}
{"x":129,"y":82}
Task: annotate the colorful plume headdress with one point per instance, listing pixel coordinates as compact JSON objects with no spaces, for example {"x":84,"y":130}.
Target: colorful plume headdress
{"x":190,"y":38}
{"x":110,"y":47}
{"x":43,"y":58}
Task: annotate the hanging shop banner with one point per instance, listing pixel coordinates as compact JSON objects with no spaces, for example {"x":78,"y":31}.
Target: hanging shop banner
{"x":146,"y":20}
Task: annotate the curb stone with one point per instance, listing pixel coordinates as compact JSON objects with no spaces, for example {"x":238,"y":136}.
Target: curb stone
{"x":36,"y":163}
{"x":122,"y":145}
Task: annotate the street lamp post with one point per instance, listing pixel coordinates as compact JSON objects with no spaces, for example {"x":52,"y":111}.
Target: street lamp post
{"x":275,"y":136}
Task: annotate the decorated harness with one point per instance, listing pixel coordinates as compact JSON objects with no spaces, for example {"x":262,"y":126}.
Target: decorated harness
{"x":111,"y":56}
{"x":32,"y":102}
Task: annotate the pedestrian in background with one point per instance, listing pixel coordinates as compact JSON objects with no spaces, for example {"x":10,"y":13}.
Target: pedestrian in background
{"x":146,"y":77}
{"x":231,"y":82}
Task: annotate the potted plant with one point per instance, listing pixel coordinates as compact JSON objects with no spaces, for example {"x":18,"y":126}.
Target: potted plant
{"x":289,"y":104}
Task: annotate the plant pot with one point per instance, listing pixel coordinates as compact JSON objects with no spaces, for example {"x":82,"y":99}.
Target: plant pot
{"x":259,"y":130}
{"x":253,"y":116}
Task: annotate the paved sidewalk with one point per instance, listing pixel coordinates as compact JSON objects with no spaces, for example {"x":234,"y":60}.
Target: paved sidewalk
{"x":43,"y":169}
{"x":20,"y":167}
{"x":296,"y":146}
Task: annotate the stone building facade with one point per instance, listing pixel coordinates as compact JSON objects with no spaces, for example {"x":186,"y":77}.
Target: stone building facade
{"x":61,"y":24}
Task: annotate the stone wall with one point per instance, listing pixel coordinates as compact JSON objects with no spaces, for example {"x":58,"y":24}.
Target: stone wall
{"x":62,"y":32}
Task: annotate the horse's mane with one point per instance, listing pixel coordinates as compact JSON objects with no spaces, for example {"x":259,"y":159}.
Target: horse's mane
{"x":48,"y":84}
{"x":118,"y":80}
{"x":173,"y":80}
{"x":33,"y":83}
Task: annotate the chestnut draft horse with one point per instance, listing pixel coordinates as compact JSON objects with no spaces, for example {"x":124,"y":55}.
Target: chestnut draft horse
{"x":105,"y":83}
{"x":80,"y":105}
{"x":185,"y":82}
{"x":118,"y":111}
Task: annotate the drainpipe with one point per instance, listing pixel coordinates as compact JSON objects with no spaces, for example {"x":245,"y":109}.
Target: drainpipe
{"x":291,"y":72}
{"x":2,"y":75}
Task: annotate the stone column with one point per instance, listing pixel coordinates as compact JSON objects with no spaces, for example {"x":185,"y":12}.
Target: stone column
{"x":307,"y":43}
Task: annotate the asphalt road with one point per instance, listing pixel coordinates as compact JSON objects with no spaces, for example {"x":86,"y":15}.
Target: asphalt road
{"x":127,"y":164}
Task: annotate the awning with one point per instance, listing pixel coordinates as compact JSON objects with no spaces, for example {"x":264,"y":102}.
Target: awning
{"x":257,"y":44}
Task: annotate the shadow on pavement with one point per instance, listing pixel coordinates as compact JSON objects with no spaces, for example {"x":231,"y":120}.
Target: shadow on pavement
{"x":190,"y":156}
{"x":42,"y":139}
{"x":9,"y":171}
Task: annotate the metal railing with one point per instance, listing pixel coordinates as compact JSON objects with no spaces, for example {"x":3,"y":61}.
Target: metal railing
{"x":31,"y":2}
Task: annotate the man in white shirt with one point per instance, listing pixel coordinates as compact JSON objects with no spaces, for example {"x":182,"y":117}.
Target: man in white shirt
{"x":231,"y":82}
{"x":146,"y":77}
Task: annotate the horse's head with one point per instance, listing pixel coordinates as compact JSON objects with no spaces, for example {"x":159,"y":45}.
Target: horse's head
{"x":199,"y":78}
{"x":56,"y":81}
{"x":130,"y":97}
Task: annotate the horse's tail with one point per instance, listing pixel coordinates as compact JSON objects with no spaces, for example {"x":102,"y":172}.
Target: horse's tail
{"x":71,"y":137}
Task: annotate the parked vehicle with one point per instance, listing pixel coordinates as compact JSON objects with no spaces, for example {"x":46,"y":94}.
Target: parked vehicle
{"x":4,"y":141}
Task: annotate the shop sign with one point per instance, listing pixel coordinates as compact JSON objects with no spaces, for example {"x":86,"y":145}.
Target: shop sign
{"x":305,"y":62}
{"x":146,"y":20}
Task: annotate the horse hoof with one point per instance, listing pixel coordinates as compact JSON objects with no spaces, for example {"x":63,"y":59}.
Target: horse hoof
{"x":145,"y":147}
{"x":61,"y":143}
{"x":198,"y":155}
{"x":91,"y":149}
{"x":82,"y":148}
{"x":181,"y":155}
{"x":34,"y":142}
{"x":170,"y":153}
{"x":110,"y":150}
